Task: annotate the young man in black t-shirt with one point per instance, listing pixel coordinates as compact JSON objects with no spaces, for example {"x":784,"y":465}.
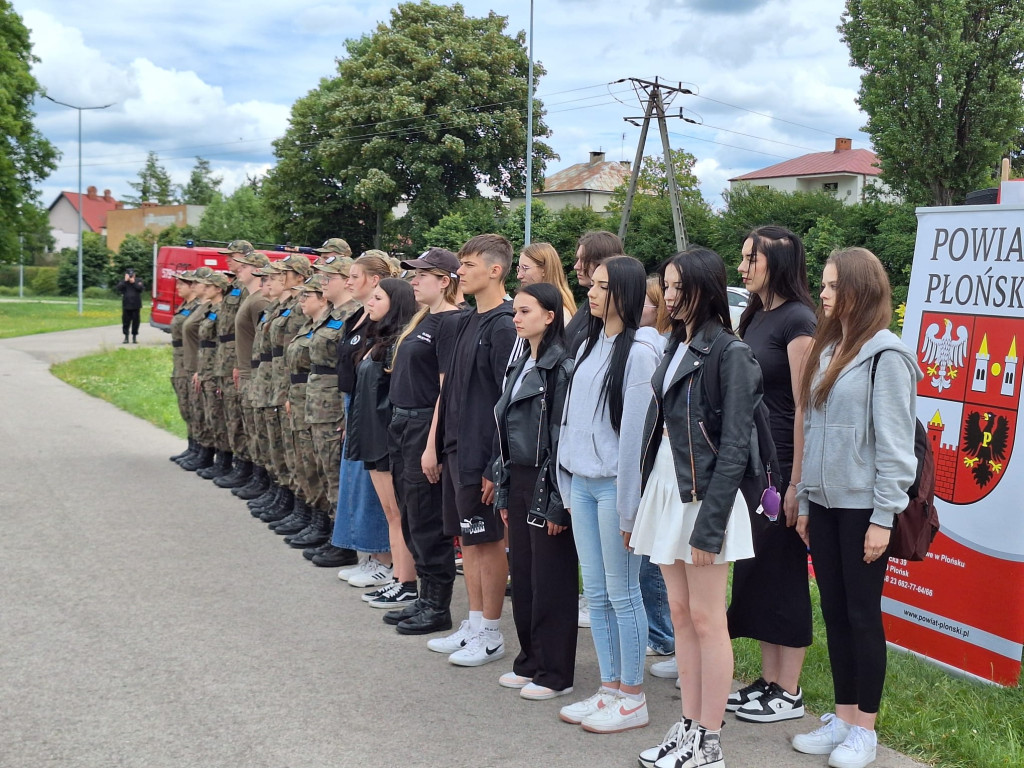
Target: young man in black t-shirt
{"x":467,"y":443}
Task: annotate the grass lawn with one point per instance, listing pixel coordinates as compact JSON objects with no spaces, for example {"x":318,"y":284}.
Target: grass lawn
{"x":23,"y":317}
{"x":136,"y":380}
{"x":926,"y":713}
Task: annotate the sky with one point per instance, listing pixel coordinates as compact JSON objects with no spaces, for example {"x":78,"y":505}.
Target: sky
{"x":771,"y":79}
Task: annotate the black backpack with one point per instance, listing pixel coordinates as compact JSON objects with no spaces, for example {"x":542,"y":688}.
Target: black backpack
{"x":914,"y":529}
{"x":753,"y":485}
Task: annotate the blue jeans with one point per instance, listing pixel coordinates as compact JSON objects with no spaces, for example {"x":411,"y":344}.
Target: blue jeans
{"x":660,"y":633}
{"x":611,"y":582}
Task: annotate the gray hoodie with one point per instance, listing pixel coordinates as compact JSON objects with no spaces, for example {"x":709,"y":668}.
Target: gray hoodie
{"x":587,"y":444}
{"x":859,"y":447}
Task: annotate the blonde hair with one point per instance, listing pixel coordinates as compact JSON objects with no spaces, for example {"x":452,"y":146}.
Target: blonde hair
{"x":451,"y":296}
{"x":379,"y":264}
{"x":864,"y":301}
{"x":546,"y":257}
{"x":656,"y":295}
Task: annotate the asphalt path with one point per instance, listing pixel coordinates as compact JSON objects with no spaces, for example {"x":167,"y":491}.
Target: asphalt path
{"x":146,"y":620}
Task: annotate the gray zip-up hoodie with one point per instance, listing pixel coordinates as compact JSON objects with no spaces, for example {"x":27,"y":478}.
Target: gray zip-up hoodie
{"x":587,"y":445}
{"x":859,"y":447}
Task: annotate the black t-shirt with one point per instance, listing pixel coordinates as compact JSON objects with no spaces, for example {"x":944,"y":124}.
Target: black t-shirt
{"x":350,"y":345}
{"x":422,"y":356}
{"x":768,"y":336}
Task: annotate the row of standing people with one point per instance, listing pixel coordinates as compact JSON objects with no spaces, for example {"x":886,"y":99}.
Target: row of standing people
{"x":586,"y":463}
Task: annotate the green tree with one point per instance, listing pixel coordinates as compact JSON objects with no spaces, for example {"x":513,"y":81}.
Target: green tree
{"x":203,"y":187}
{"x":26,"y":158}
{"x":95,"y":264}
{"x":941,"y":87}
{"x":426,"y":107}
{"x":135,"y":253}
{"x":154,"y":184}
{"x":242,"y":214}
{"x":305,"y":202}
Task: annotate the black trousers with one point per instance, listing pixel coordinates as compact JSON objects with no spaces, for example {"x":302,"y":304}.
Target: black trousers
{"x":851,"y":604}
{"x":418,"y":499}
{"x":130,"y":319}
{"x":545,"y":590}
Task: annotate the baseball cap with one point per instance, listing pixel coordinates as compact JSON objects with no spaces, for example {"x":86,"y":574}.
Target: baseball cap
{"x":311,"y":285}
{"x":435,"y":258}
{"x":293,"y":262}
{"x":238,"y":246}
{"x":186,"y":276}
{"x":253,"y":259}
{"x":218,"y":279}
{"x":335,"y":245}
{"x":201,"y":274}
{"x":335,"y":265}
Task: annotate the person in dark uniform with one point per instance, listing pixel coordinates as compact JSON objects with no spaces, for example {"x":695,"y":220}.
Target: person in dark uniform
{"x":131,"y":290}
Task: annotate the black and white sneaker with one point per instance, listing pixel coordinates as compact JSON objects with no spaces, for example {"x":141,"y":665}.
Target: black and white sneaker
{"x":773,"y":706}
{"x":369,"y":597}
{"x":397,"y":596}
{"x":746,"y":694}
{"x":674,"y":739}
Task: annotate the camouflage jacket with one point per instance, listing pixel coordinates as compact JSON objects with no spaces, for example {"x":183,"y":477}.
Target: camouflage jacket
{"x":177,"y":338}
{"x":261,"y":357}
{"x":282,"y":330}
{"x":190,"y":337}
{"x":296,"y":358}
{"x":226,"y":358}
{"x":323,"y":398}
{"x":208,"y":343}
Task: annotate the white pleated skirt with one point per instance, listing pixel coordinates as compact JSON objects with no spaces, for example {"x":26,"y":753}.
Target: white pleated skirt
{"x":664,"y":523}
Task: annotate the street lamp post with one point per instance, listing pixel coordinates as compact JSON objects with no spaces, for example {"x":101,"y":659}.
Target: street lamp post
{"x":529,"y":140}
{"x":80,"y":201}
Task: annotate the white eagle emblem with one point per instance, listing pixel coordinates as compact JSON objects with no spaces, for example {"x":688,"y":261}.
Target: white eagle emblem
{"x":943,"y":354}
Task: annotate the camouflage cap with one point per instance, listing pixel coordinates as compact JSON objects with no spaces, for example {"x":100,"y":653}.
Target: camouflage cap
{"x":335,"y":245}
{"x":201,"y":274}
{"x":293,"y":262}
{"x":312,"y":285}
{"x":186,"y":276}
{"x":218,"y":279}
{"x":243,"y":247}
{"x":335,"y":265}
{"x":254,"y":259}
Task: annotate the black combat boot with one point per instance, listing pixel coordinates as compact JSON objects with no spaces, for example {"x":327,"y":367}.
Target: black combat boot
{"x":217,"y":468}
{"x":238,"y":476}
{"x":313,"y":535}
{"x":191,"y":453}
{"x":331,"y":556}
{"x":296,"y":521}
{"x":435,"y":616}
{"x":410,"y":610}
{"x":135,"y":338}
{"x":183,"y":454}
{"x":202,"y":460}
{"x":280,"y":511}
{"x":125,"y":339}
{"x":257,"y":484}
{"x":268,"y":498}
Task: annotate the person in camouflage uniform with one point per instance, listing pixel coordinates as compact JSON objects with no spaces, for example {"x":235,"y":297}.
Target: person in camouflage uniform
{"x":202,"y":456}
{"x":325,"y":413}
{"x":179,"y":379}
{"x":215,"y":287}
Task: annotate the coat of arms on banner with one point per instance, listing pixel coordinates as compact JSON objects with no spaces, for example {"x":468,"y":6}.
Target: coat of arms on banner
{"x":969,"y":395}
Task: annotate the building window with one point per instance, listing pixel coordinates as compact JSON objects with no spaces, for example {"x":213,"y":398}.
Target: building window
{"x":831,"y":186}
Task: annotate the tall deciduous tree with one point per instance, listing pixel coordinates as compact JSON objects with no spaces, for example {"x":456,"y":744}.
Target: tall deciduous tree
{"x":428,"y":106}
{"x":153,"y":185}
{"x":941,"y":87}
{"x":96,"y":259}
{"x":203,"y":187}
{"x":240,"y":215}
{"x":26,"y":158}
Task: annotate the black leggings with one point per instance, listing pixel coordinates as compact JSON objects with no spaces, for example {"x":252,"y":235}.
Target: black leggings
{"x":130,"y":319}
{"x":851,"y":603}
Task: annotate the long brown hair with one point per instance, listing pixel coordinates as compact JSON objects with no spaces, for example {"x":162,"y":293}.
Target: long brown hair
{"x":546,"y":257}
{"x":656,"y":295}
{"x":864,"y":302}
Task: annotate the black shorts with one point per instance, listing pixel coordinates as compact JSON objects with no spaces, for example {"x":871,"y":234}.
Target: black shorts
{"x":465,"y":515}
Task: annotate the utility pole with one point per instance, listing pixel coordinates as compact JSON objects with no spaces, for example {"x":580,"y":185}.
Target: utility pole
{"x":529,"y":140}
{"x":656,"y":97}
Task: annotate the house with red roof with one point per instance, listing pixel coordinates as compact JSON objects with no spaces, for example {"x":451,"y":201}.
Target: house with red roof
{"x":845,"y":172}
{"x":583,"y":184}
{"x":64,"y":215}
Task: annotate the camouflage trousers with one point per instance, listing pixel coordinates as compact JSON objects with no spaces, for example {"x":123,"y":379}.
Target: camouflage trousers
{"x":233,"y":423}
{"x":261,"y":442}
{"x":288,"y":444}
{"x":180,"y":386}
{"x":213,"y":411}
{"x":327,"y":449}
{"x":275,"y":447}
{"x":310,"y":487}
{"x":197,"y":416}
{"x":249,"y":429}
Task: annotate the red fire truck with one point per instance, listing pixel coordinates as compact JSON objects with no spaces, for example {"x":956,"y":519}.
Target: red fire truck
{"x":171,"y":261}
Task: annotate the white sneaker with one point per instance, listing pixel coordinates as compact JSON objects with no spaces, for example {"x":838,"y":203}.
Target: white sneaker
{"x":349,"y":571}
{"x":574,"y":713}
{"x":668,"y":669}
{"x":674,"y":739}
{"x":483,"y":648}
{"x":652,"y":651}
{"x":583,"y":619}
{"x":512,"y":680}
{"x":534,"y":692}
{"x":453,"y":642}
{"x":373,"y":574}
{"x":624,"y":715}
{"x":823,"y":740}
{"x":856,"y":751}
{"x":699,"y":749}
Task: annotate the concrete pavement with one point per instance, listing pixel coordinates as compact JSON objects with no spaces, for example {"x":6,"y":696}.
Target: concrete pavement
{"x":147,"y":620}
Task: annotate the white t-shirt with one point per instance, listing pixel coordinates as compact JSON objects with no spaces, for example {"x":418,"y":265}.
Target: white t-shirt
{"x":673,"y":366}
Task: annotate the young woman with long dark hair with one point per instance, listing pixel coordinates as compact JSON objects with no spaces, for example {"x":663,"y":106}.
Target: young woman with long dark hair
{"x":599,"y":451}
{"x":693,"y":521}
{"x":858,"y":393}
{"x":542,"y":553}
{"x":771,"y":599}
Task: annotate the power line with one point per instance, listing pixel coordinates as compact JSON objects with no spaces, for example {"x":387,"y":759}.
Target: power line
{"x":731,"y":146}
{"x":763,"y":114}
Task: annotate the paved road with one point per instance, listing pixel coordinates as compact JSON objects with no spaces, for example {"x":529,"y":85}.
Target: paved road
{"x":146,"y":620}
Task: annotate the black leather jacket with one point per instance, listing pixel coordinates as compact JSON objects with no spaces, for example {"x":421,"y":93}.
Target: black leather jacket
{"x":369,"y":414}
{"x":528,"y":425}
{"x":712,"y":450}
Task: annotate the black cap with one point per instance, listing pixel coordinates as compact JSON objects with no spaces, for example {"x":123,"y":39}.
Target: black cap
{"x":435,"y":258}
